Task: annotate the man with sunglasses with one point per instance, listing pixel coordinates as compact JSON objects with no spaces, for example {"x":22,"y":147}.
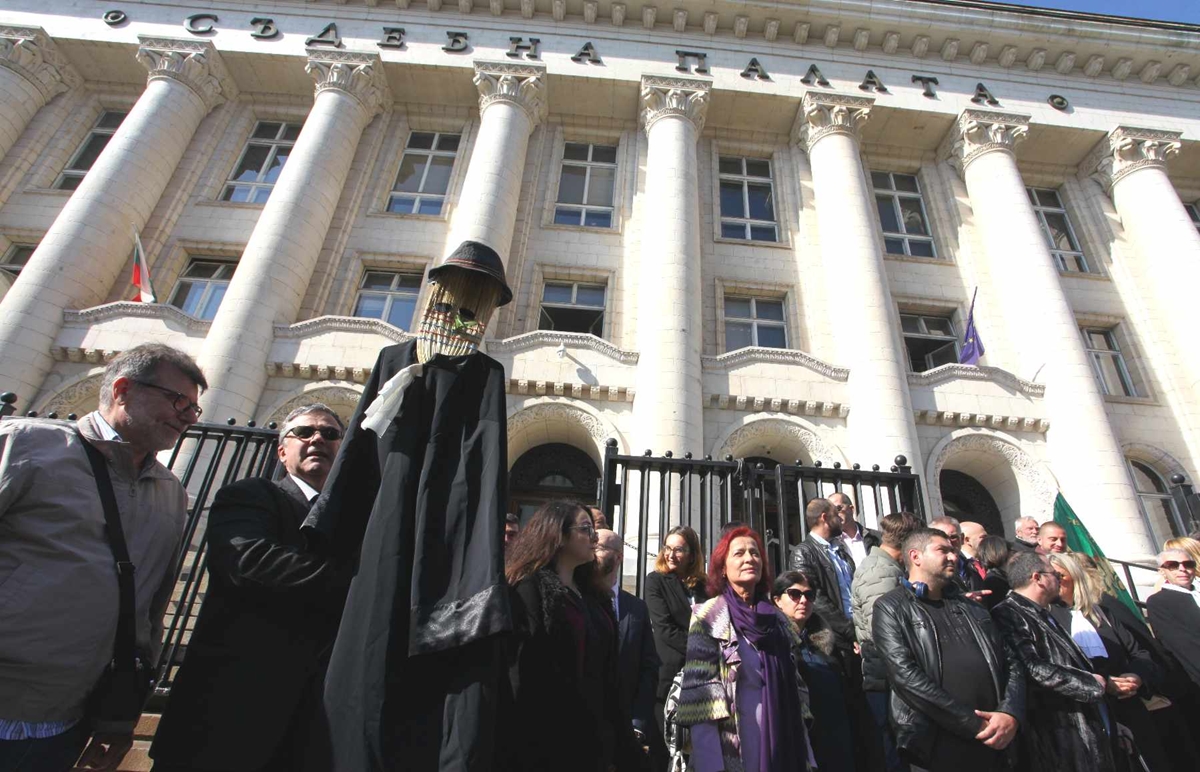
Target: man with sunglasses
{"x":59,"y":586}
{"x":248,"y":696}
{"x":1174,"y":611}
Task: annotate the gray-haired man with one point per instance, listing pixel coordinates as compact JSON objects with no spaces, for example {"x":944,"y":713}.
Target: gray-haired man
{"x":248,"y":694}
{"x":58,"y":578}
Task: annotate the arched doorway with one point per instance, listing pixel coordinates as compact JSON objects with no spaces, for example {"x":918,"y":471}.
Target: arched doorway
{"x":967,"y":500}
{"x":548,"y":473}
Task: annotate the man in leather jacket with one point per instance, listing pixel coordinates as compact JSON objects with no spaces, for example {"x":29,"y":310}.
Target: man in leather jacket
{"x":958,"y":696}
{"x":829,"y":568}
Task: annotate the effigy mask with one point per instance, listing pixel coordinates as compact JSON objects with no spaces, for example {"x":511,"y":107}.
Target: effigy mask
{"x":461,"y":303}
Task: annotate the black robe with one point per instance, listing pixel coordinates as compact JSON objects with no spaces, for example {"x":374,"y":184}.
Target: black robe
{"x":417,"y":672}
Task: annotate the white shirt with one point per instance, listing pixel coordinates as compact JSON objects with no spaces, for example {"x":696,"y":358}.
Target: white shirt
{"x":106,"y":430}
{"x":1083,"y":632}
{"x":855,"y":546}
{"x":1193,"y":592}
{"x":309,"y":492}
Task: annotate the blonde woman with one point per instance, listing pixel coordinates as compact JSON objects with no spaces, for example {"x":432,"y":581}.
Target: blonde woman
{"x":1187,"y":544}
{"x":1114,"y":653}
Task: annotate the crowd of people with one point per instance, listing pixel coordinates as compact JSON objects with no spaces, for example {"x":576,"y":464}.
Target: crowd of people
{"x":914,"y":647}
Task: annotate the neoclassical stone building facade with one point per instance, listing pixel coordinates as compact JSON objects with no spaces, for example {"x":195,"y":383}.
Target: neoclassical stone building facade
{"x":731,"y":229}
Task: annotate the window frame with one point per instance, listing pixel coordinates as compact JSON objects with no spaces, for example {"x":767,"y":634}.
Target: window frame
{"x":1128,"y":383}
{"x":229,"y":184}
{"x":584,"y":208}
{"x":744,"y":179}
{"x":1059,"y":255}
{"x":390,"y":294}
{"x":209,"y":283}
{"x":1177,"y":526}
{"x":70,"y":173}
{"x":575,"y":285}
{"x":953,"y":338}
{"x":6,"y":262}
{"x":905,"y":238}
{"x":420,"y":195}
{"x":754,"y":320}
{"x":1193,"y":214}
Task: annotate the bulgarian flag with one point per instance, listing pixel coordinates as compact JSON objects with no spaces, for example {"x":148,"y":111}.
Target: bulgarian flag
{"x":141,"y":272}
{"x":1079,"y":540}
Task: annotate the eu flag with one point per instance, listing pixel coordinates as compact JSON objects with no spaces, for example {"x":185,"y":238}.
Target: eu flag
{"x":972,"y":345}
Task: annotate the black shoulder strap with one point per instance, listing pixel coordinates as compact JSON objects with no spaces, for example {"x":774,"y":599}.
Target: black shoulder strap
{"x":125,"y":645}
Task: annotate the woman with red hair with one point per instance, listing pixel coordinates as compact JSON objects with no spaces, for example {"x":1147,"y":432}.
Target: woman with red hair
{"x":742,"y":694}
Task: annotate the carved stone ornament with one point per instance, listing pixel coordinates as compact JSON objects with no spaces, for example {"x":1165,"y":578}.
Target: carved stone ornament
{"x":779,"y":435}
{"x":343,"y":400}
{"x":194,"y":63}
{"x":951,"y":372}
{"x":1033,"y":480}
{"x":673,"y":97}
{"x":80,"y":396}
{"x":358,"y":74}
{"x":555,"y":418}
{"x":546,"y":338}
{"x":1126,"y":150}
{"x":522,"y":85}
{"x":752,"y":355}
{"x":29,"y":52}
{"x":822,"y":115}
{"x":981,"y":131}
{"x":325,"y":324}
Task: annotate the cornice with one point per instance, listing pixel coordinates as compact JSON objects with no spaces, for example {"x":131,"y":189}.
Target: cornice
{"x":597,"y":393}
{"x":776,"y":356}
{"x":954,"y":372}
{"x":356,"y":73}
{"x":1012,"y":423}
{"x":745,"y":404}
{"x":542,"y":338}
{"x":663,"y":97}
{"x":322,"y":324}
{"x":128,"y":309}
{"x":523,"y":85}
{"x":193,"y":63}
{"x":31,"y":53}
{"x":1128,"y":149}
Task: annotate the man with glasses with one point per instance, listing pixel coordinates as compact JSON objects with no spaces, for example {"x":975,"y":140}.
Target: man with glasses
{"x":59,"y":596}
{"x":248,"y":696}
{"x":1174,"y":611}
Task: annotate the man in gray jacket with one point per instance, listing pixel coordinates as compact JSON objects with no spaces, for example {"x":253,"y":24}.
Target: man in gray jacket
{"x":58,"y":580}
{"x":879,"y":573}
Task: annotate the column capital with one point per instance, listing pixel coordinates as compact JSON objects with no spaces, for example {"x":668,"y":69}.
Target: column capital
{"x":663,"y":97}
{"x":522,"y":85}
{"x":357,"y":73}
{"x":977,"y":132}
{"x":1127,"y":149}
{"x":32,"y":54}
{"x":194,"y":63}
{"x":823,"y":114}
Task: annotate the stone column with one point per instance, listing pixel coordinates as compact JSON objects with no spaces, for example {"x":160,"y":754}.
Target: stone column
{"x":32,"y":72}
{"x":1130,"y":163}
{"x":880,"y":424}
{"x":277,"y":264}
{"x":669,"y":406}
{"x":90,"y":240}
{"x":1083,"y":451}
{"x":512,"y":100}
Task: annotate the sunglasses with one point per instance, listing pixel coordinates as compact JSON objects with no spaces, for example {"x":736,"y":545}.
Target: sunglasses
{"x":328,"y":433}
{"x":1172,"y":565}
{"x":797,"y":595}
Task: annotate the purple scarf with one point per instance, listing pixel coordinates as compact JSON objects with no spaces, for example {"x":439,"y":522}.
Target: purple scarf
{"x":783,"y":748}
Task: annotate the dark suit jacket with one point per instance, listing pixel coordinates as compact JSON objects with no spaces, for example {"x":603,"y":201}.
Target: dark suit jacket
{"x":637,"y":663}
{"x":811,"y":558}
{"x":1175,"y":618}
{"x":263,"y":637}
{"x":670,"y":612}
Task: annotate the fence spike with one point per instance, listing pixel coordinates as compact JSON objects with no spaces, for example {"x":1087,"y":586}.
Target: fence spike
{"x":31,"y":414}
{"x":901,"y":460}
{"x":647,"y":454}
{"x":53,"y":416}
{"x":251,"y":424}
{"x":611,"y":442}
{"x":72,"y":417}
{"x":231,"y":421}
{"x":817,"y":463}
{"x":1176,"y":479}
{"x":837,"y":464}
{"x":874,"y":467}
{"x":856,"y":467}
{"x":272,"y":426}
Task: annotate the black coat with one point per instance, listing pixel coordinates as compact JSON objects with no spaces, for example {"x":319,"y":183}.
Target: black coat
{"x":416,"y":673}
{"x":250,"y":682}
{"x":996,"y":581}
{"x":1065,"y":732}
{"x":1020,"y":545}
{"x":670,"y":609}
{"x":905,"y":638}
{"x":810,"y":557}
{"x":1175,"y":618}
{"x":637,"y":672}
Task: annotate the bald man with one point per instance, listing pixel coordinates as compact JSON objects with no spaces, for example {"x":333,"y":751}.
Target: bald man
{"x":1051,"y":538}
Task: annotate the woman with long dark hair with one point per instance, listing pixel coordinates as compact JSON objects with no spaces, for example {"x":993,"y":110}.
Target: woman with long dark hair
{"x":742,"y":694}
{"x":563,"y":663}
{"x":672,"y":588}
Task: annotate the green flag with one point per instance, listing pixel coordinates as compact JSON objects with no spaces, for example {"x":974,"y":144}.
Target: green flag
{"x":1079,"y":540}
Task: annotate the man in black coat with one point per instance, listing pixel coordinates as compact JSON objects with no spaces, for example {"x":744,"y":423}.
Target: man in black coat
{"x":1066,"y":727}
{"x":248,"y":694}
{"x":856,"y":537}
{"x":958,"y":696}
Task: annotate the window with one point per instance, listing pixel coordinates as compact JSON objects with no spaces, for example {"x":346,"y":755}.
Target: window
{"x":424,"y":174}
{"x":572,"y":308}
{"x":754,"y":322}
{"x":90,"y":150}
{"x":585,"y":189}
{"x":1056,"y":227}
{"x":1193,"y":213}
{"x":261,"y":162}
{"x":1157,"y":504}
{"x":1108,"y":363}
{"x":16,"y":257}
{"x":391,"y":297}
{"x":202,"y":287}
{"x":902,"y":215}
{"x":747,"y":200}
{"x":930,"y":341}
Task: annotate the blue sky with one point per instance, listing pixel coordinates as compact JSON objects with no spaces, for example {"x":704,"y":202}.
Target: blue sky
{"x":1167,"y":10}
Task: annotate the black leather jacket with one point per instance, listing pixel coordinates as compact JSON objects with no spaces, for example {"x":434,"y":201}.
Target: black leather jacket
{"x":811,"y":558}
{"x":907,"y":641}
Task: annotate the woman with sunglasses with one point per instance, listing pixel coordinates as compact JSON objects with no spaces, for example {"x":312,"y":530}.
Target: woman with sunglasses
{"x":1174,"y":613}
{"x":832,"y":743}
{"x":672,"y":588}
{"x":563,"y":659}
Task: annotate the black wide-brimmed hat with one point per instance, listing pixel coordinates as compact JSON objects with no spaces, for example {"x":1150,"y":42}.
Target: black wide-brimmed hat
{"x":474,"y":256}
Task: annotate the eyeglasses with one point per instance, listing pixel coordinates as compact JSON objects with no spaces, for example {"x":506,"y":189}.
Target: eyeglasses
{"x":178,"y":401}
{"x":588,"y":529}
{"x":677,"y":550}
{"x":328,"y":433}
{"x":1172,"y":565}
{"x":797,"y":595}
